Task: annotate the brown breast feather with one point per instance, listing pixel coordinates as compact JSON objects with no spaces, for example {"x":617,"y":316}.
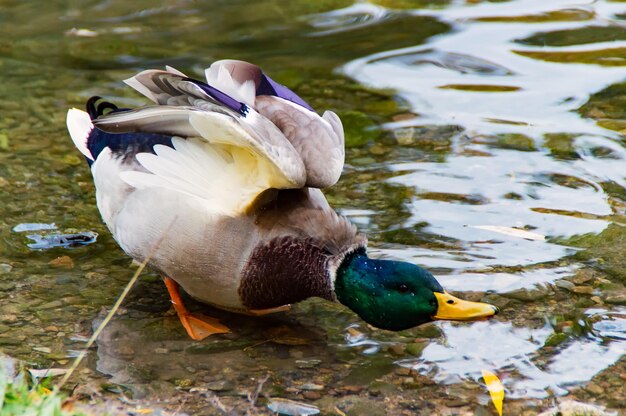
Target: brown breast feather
{"x":305,"y":239}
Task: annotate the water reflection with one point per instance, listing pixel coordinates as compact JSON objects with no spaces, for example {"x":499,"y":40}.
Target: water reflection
{"x":514,"y":353}
{"x":354,"y":17}
{"x":548,"y":92}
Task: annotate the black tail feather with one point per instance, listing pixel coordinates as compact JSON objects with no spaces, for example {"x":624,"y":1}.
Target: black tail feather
{"x":122,"y":144}
{"x":96,"y":109}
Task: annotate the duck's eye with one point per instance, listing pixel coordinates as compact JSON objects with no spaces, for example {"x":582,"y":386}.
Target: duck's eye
{"x":403,"y":288}
{"x":450,"y":302}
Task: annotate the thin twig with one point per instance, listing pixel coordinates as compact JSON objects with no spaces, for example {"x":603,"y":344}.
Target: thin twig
{"x":112,"y":312}
{"x":180,"y":406}
{"x":215,"y":401}
{"x":252,"y":397}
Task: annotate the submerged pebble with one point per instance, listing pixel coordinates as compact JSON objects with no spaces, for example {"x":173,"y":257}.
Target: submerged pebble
{"x":529,"y":294}
{"x":616,"y":298}
{"x":564,"y":284}
{"x":311,"y":395}
{"x":307,"y":363}
{"x":8,"y":366}
{"x":311,"y":386}
{"x":63,"y":261}
{"x":573,"y":408}
{"x":583,"y":290}
{"x":291,"y":407}
{"x":221,"y":385}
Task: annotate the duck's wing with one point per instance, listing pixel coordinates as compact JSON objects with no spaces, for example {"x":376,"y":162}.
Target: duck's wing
{"x":189,"y":107}
{"x":318,"y":140}
{"x":205,"y":144}
{"x":243,"y":87}
{"x":253,"y":135}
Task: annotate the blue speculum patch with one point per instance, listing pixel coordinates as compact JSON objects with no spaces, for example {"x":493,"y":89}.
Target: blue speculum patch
{"x":270,"y":87}
{"x":267,"y":86}
{"x":125,"y":144}
{"x":221,"y":97}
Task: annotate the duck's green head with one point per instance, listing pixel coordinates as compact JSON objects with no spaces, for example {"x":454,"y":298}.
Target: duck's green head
{"x":396,"y":295}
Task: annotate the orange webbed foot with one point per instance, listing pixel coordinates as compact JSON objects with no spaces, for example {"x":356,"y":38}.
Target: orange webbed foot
{"x":198,"y":326}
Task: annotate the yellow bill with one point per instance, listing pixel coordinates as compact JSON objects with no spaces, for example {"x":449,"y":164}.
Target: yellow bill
{"x":496,"y":389}
{"x":455,"y":309}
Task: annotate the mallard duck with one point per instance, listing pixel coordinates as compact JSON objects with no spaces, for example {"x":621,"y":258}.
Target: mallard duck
{"x":218,"y":186}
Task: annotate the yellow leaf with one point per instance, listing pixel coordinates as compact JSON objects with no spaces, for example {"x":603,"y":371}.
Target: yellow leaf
{"x":496,"y":389}
{"x":339,"y":412}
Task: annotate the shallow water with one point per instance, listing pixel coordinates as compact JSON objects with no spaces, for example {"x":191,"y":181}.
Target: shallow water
{"x":460,"y":117}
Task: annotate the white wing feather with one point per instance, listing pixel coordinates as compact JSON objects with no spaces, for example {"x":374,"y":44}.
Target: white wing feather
{"x":226,"y":182}
{"x":219,"y":75}
{"x":79,"y":125}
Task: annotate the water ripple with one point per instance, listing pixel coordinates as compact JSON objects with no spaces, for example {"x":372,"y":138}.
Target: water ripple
{"x":354,"y":17}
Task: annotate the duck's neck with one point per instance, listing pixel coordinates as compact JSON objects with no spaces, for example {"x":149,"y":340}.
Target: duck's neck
{"x":285,"y":271}
{"x":356,"y":279}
